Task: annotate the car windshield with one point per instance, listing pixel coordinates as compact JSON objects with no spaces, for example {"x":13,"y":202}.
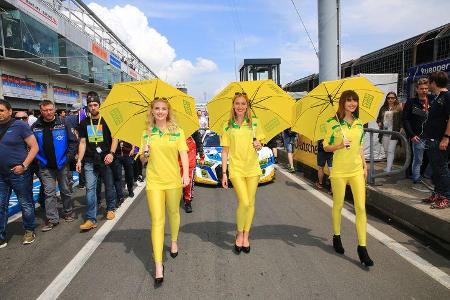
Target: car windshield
{"x":211,"y":140}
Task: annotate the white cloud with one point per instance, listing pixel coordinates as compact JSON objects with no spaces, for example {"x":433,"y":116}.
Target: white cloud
{"x":131,"y":25}
{"x":398,"y":18}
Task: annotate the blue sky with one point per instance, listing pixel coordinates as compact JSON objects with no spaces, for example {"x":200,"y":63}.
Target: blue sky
{"x":193,"y":41}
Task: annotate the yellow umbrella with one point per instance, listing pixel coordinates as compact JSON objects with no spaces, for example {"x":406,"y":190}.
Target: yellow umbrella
{"x":322,"y":103}
{"x":125,"y":109}
{"x":268,"y":102}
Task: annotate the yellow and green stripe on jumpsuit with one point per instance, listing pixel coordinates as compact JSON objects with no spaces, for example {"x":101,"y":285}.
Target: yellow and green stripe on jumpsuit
{"x":163,"y":184}
{"x":348,"y":168}
{"x":244,"y":168}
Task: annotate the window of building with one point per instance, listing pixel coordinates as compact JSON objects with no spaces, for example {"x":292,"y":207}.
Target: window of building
{"x":22,"y":32}
{"x":77,"y":58}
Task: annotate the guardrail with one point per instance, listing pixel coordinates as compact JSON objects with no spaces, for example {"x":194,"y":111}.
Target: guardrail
{"x":371,"y":172}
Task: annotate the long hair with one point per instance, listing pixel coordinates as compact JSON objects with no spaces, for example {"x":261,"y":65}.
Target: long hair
{"x":347,"y":95}
{"x":397,"y":105}
{"x":170,"y":119}
{"x":248,"y":112}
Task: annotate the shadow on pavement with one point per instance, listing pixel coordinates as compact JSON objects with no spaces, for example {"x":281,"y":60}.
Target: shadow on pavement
{"x":222,"y":234}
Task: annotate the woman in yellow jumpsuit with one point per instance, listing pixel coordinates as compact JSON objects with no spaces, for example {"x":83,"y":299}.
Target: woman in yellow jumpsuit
{"x":240,"y":140}
{"x":162,"y":142}
{"x":345,"y":138}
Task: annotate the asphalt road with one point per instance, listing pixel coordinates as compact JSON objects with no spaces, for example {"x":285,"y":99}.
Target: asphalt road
{"x":291,"y":255}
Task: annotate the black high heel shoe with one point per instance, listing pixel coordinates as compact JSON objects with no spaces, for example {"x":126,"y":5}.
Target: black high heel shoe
{"x":237,"y":249}
{"x":173,"y":254}
{"x":159,"y":280}
{"x":246,"y":249}
{"x":364,"y":256}
{"x":337,"y":244}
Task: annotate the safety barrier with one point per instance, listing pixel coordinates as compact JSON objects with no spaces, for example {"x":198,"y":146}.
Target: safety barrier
{"x":371,"y":172}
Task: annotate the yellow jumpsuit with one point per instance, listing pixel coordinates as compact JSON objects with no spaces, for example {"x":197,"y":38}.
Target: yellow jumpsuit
{"x":348,"y":169}
{"x":163,"y":184}
{"x":244,"y":168}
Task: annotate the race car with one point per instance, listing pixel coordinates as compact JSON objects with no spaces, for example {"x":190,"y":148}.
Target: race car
{"x":209,"y":171}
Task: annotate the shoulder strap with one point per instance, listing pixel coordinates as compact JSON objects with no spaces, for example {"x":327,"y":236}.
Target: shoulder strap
{"x":6,"y":128}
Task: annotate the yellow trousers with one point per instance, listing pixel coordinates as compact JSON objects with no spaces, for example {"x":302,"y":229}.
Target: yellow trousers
{"x":245,"y":188}
{"x":358,"y":187}
{"x":157,"y":201}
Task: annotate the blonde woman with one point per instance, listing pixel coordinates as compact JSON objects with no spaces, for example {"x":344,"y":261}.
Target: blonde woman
{"x":162,"y":142}
{"x":240,"y":141}
{"x":390,"y":118}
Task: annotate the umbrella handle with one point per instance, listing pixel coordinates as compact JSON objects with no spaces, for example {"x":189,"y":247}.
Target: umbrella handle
{"x":343,"y":134}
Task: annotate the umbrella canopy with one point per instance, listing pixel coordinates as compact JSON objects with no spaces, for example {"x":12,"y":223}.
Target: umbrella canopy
{"x":125,"y":109}
{"x":322,"y":103}
{"x":268,"y":102}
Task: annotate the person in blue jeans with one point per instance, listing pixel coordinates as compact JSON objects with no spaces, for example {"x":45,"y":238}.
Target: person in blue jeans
{"x":96,"y":152}
{"x":414,"y":115}
{"x":17,"y":140}
{"x":437,"y":135}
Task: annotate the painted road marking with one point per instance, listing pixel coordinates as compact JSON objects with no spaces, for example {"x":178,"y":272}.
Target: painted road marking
{"x":426,"y":267}
{"x":63,"y":279}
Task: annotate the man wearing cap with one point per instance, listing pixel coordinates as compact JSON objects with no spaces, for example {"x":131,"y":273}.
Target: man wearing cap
{"x":96,"y":152}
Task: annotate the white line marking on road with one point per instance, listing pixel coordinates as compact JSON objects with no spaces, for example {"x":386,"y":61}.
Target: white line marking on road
{"x":63,"y":279}
{"x":426,"y":267}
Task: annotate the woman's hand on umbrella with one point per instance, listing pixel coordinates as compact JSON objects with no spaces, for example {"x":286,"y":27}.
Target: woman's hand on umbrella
{"x":346,"y":143}
{"x":257,"y":145}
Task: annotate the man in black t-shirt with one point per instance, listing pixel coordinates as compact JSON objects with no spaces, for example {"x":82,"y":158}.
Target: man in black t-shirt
{"x":96,"y":152}
{"x":437,"y":134}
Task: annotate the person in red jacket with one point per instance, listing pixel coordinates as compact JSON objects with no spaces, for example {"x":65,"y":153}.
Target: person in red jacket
{"x":194,"y":144}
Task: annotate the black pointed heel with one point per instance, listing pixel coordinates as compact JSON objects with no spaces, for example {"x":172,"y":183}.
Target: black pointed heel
{"x":364,"y":257}
{"x":237,"y":249}
{"x":159,"y":280}
{"x":246,"y":249}
{"x":337,"y":244}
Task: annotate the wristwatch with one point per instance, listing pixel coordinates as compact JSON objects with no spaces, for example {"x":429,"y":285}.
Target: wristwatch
{"x":447,"y":136}
{"x":24,"y":167}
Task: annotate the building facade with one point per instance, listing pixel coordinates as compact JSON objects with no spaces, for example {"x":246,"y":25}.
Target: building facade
{"x":60,"y":50}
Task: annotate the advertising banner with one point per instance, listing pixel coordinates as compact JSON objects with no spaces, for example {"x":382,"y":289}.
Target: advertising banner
{"x":306,"y":153}
{"x":39,"y":11}
{"x":23,"y":88}
{"x":98,"y":51}
{"x":115,"y":61}
{"x":65,"y":95}
{"x":132,"y":73}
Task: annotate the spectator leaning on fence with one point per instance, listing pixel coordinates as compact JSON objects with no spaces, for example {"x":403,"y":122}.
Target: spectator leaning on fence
{"x":57,"y":147}
{"x":19,"y":147}
{"x":437,"y":135}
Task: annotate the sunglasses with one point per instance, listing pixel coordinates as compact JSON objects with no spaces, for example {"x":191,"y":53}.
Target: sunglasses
{"x":21,"y":118}
{"x":240,"y":94}
{"x":160,"y":98}
{"x":390,"y":97}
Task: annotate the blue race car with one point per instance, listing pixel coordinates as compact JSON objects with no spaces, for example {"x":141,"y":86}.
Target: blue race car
{"x":210,"y":170}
